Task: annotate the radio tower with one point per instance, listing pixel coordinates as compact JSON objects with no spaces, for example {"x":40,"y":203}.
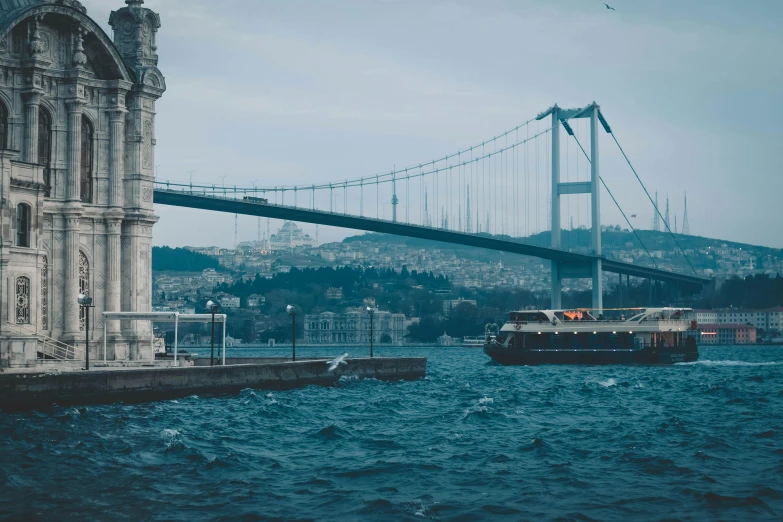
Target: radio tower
{"x":656,"y":218}
{"x":686,"y":228}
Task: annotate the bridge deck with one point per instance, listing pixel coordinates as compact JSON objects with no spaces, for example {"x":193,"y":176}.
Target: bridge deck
{"x":237,"y":206}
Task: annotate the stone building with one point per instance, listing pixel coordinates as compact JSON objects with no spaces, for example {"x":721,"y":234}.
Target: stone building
{"x":353,"y":327}
{"x":290,"y":236}
{"x":77,"y":140}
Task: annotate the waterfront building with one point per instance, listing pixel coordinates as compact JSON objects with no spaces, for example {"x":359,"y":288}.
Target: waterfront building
{"x":447,"y":340}
{"x":727,"y":333}
{"x":77,"y":150}
{"x":767,"y":320}
{"x":353,"y":327}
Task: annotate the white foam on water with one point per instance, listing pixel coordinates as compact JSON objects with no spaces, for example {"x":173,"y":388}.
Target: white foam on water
{"x":170,"y":438}
{"x":728,"y":363}
{"x":607,"y":383}
{"x":486,"y":400}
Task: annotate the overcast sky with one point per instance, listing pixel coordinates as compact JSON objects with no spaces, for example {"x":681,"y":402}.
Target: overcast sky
{"x":306,"y":91}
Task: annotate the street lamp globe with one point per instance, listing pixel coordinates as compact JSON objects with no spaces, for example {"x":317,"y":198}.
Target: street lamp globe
{"x":290,"y":309}
{"x":84,"y":300}
{"x":212,"y":306}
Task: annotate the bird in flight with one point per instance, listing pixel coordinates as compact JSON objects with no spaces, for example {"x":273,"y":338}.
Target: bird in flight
{"x":610,"y":7}
{"x":333,"y":364}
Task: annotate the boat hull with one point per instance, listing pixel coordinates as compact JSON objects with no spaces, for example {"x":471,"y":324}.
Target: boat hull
{"x":647,"y":355}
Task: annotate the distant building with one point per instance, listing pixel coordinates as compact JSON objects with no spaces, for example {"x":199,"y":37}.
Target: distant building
{"x":229,"y":301}
{"x":706,"y":316}
{"x":255,"y":301}
{"x":212,"y":277}
{"x":290,"y":236}
{"x":727,"y":333}
{"x":450,"y":304}
{"x":334,"y":293}
{"x":447,"y":340}
{"x":768,"y":320}
{"x":353,"y":327}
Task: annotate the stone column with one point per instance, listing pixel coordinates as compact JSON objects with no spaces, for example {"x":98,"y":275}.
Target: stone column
{"x":71,"y":214}
{"x":117,"y":157}
{"x":115,"y":215}
{"x":32,"y":100}
{"x":74,"y":155}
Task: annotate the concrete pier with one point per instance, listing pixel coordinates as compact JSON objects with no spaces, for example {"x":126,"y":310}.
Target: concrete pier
{"x":28,"y":390}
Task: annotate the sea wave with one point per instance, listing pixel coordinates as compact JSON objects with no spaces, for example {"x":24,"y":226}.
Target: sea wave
{"x":517,"y":443}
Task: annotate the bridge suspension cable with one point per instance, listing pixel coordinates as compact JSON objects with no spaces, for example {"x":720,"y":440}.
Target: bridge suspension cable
{"x":615,"y":201}
{"x":653,"y":203}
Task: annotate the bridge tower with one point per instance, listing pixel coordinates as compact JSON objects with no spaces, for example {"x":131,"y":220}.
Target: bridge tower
{"x":561,"y":270}
{"x":394,"y":199}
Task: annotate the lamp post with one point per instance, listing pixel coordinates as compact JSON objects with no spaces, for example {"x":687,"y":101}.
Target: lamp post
{"x":292,"y":312}
{"x":370,"y":311}
{"x":85,"y":301}
{"x":213,"y":308}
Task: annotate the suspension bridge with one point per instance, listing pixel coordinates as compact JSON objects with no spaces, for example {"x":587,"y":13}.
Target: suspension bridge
{"x":488,"y":196}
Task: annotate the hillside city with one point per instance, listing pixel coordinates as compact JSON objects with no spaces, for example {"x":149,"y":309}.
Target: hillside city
{"x":459,"y":275}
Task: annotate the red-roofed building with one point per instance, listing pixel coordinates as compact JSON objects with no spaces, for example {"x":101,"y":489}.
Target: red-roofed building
{"x":730,"y":333}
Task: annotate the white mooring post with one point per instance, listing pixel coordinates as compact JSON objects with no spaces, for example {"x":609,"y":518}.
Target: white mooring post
{"x":176,"y":337}
{"x":224,"y":339}
{"x":104,"y":340}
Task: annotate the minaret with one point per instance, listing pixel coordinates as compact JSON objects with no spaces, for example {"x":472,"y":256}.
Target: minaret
{"x":686,"y":228}
{"x":236,"y":231}
{"x":656,"y":217}
{"x":468,"y":227}
{"x":666,"y":216}
{"x":675,"y":222}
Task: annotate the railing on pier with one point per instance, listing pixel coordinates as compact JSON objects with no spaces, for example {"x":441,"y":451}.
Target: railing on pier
{"x":49,"y":348}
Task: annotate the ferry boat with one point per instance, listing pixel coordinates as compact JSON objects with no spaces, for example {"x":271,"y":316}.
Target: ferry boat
{"x":473,"y":342}
{"x":581,"y":336}
{"x":490,"y":330}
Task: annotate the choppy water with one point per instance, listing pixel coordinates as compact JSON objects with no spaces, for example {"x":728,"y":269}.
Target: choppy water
{"x":472,"y":441}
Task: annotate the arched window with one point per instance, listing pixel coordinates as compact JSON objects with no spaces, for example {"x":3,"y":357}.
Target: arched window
{"x":3,"y":126}
{"x":23,"y":225}
{"x":84,"y":286}
{"x":86,"y":174}
{"x":22,"y":300}
{"x":45,"y":293}
{"x":45,"y":145}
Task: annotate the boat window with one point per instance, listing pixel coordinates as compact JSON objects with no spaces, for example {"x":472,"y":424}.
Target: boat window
{"x":529,"y":317}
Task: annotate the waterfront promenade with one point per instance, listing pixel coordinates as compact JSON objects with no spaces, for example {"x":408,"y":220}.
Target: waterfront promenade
{"x":20,"y":390}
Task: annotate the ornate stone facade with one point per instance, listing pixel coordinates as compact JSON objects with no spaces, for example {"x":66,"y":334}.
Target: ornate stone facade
{"x":77,"y":145}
